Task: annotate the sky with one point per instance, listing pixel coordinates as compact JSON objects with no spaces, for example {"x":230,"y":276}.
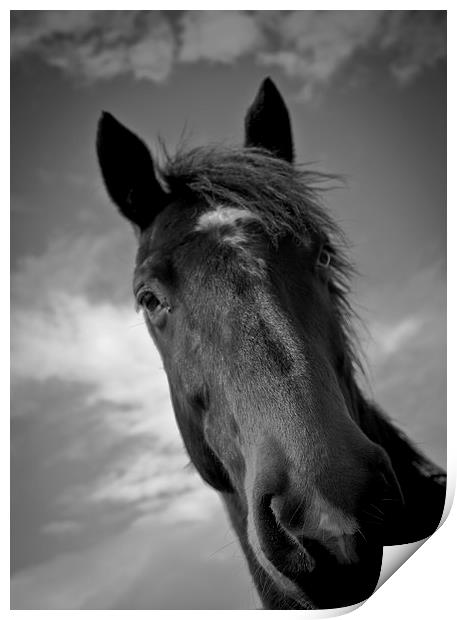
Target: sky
{"x":105,"y":511}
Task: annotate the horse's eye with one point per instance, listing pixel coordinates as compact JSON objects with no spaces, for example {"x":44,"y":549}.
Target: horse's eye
{"x":324,"y":258}
{"x":152,"y":304}
{"x":149,"y":301}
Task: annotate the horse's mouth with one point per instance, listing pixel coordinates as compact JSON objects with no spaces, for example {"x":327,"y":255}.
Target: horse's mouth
{"x":327,"y":568}
{"x":339,"y":572}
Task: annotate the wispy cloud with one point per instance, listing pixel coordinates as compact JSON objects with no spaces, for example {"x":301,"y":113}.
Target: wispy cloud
{"x":60,"y":333}
{"x":61,"y":528}
{"x":406,"y":354}
{"x":97,"y":45}
{"x":310,"y":47}
{"x":414,"y":319}
{"x":389,"y":339}
{"x":218,"y":36}
{"x":314,"y":45}
{"x":417,"y":39}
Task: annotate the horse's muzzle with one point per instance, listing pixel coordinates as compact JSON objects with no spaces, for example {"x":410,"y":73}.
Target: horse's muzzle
{"x":333,"y":561}
{"x":313,"y":567}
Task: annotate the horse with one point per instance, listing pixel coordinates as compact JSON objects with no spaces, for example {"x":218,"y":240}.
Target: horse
{"x":243,"y":280}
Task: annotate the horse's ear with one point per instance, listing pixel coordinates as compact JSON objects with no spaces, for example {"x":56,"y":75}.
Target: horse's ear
{"x":267,"y":122}
{"x":128,"y":171}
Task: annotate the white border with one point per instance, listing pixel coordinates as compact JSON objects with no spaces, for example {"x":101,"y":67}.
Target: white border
{"x":422,"y":587}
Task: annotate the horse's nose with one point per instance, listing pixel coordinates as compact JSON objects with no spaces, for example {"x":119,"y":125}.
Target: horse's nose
{"x":288,"y":507}
{"x":269,"y":530}
{"x":303,"y":539}
{"x":269,"y":535}
{"x":305,"y":564}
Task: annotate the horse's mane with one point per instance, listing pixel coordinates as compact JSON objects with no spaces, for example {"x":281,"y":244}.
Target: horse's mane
{"x":288,"y":202}
{"x":286,"y":198}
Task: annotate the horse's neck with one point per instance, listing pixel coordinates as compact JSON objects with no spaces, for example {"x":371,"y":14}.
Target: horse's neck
{"x":423,"y":483}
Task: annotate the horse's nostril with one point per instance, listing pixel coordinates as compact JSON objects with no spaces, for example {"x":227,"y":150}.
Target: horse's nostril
{"x":289,"y":512}
{"x":278,"y":546}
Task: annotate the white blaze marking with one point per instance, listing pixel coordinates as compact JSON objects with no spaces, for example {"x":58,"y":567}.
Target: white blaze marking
{"x":223,"y":216}
{"x":223,"y":221}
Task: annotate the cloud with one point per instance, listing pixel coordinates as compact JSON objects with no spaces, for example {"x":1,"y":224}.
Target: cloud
{"x":61,"y":528}
{"x":389,"y":339}
{"x":406,"y":356}
{"x":96,"y":344}
{"x":419,"y":40}
{"x":147,"y":482}
{"x":97,"y":45}
{"x":61,"y":334}
{"x":67,"y":267}
{"x":310,"y":47}
{"x":414,"y":316}
{"x":218,"y":36}
{"x":409,"y":371}
{"x":314,"y":45}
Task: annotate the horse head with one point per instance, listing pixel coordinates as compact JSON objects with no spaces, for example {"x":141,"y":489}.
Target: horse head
{"x":242,"y":279}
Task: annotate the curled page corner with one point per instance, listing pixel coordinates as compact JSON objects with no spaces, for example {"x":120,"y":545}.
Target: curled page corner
{"x":395,"y":556}
{"x":341,"y":611}
{"x":332,"y":613}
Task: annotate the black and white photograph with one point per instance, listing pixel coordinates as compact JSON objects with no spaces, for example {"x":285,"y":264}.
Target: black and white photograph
{"x":228,"y":305}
